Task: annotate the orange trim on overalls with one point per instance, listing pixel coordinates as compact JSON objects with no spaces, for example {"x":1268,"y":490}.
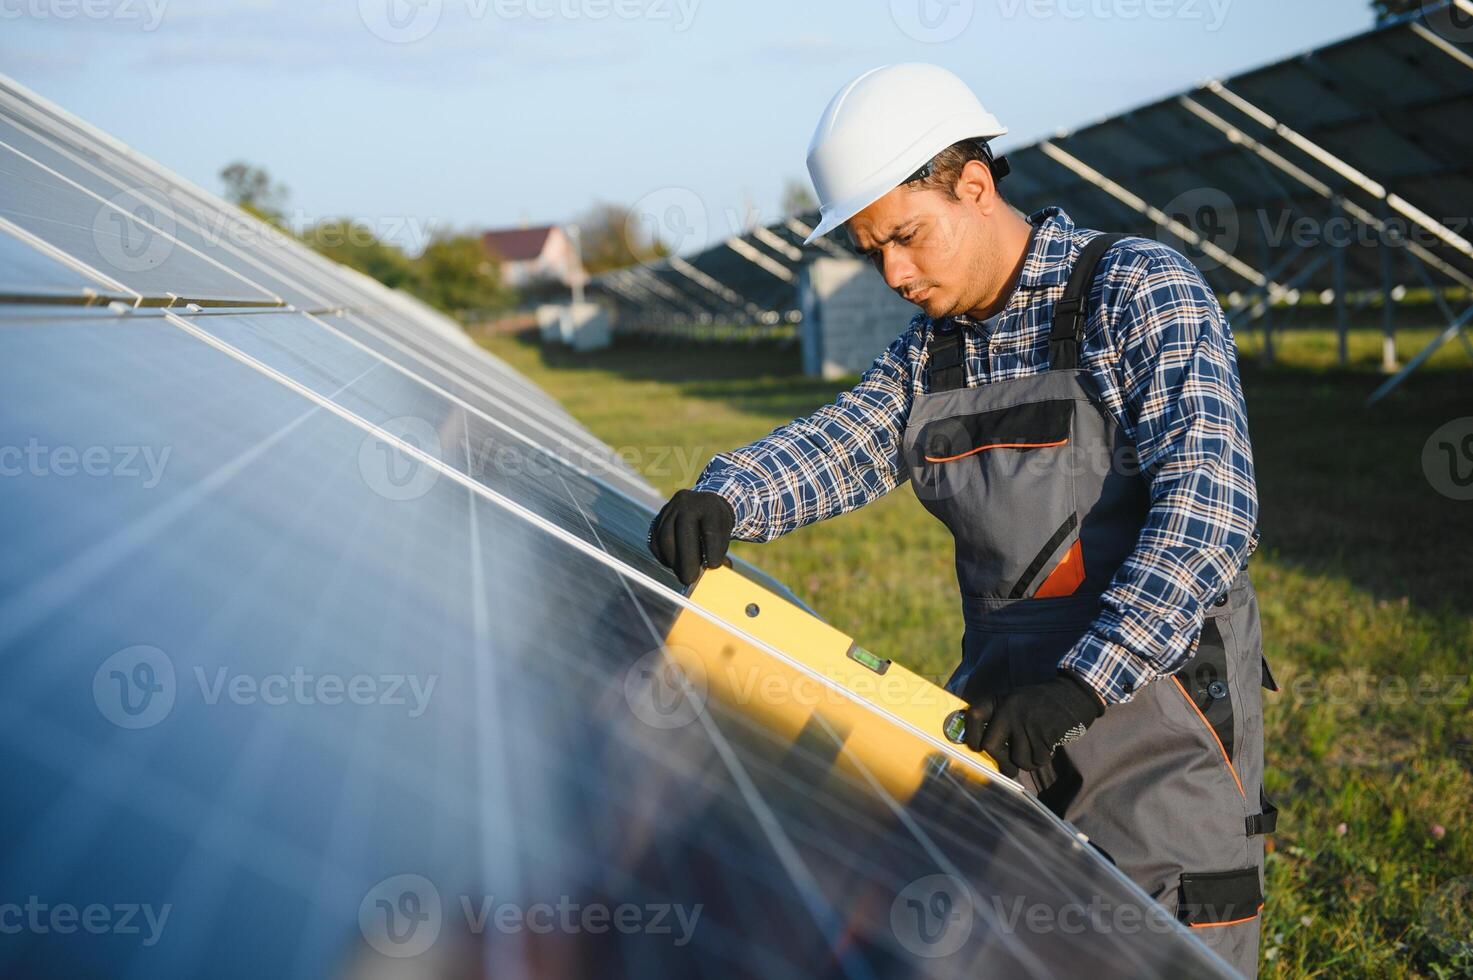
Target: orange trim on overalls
{"x":1213,"y":732}
{"x":1234,"y":922}
{"x":1067,"y":576}
{"x":995,"y":445}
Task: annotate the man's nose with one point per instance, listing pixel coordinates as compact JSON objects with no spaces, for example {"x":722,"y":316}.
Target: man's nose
{"x":896,"y":269}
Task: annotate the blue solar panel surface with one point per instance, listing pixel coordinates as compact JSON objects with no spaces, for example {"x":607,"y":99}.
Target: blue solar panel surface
{"x":325,"y":644}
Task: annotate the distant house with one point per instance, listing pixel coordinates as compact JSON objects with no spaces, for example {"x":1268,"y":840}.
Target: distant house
{"x":532,"y":256}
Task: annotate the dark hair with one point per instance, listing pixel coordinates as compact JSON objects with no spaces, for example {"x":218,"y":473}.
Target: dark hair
{"x":943,"y":170}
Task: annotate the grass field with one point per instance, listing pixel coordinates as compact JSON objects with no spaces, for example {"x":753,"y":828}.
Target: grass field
{"x":1364,"y":576}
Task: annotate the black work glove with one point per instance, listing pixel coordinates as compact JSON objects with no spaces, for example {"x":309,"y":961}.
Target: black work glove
{"x":691,"y":530}
{"x":1021,"y":729}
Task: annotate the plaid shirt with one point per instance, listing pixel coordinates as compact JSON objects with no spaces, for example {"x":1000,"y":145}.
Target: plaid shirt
{"x":1167,"y":368}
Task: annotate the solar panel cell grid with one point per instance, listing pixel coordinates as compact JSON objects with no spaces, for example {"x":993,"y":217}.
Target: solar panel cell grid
{"x":302,"y":693}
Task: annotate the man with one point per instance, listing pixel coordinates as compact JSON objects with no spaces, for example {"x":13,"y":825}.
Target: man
{"x":1068,"y":404}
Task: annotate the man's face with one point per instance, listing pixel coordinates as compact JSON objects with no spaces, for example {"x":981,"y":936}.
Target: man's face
{"x":929,"y":247}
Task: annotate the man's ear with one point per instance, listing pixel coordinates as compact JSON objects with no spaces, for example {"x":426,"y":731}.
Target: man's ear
{"x":975,"y":185}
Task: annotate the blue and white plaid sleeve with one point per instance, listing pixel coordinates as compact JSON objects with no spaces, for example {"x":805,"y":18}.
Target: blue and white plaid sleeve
{"x":841,"y":457}
{"x":1182,"y":400}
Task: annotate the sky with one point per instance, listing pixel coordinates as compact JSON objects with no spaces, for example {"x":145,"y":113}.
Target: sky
{"x":422,"y":115}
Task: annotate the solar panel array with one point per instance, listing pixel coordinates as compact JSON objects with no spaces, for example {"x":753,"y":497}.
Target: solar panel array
{"x":1271,"y":179}
{"x":329,"y":645}
{"x":749,"y":281}
{"x":1280,"y":181}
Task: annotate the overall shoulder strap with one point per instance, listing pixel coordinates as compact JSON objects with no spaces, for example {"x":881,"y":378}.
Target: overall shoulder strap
{"x":1072,"y":309}
{"x":947,"y":368}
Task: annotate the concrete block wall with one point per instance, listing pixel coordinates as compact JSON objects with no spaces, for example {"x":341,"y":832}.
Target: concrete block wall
{"x":849,"y":316}
{"x":582,"y":326}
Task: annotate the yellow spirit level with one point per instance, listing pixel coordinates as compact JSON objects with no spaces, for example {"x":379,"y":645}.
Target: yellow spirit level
{"x":821,"y":687}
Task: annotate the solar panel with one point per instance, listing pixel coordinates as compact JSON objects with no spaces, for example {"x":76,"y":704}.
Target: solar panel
{"x":331,"y":646}
{"x":1280,"y":180}
{"x":1273,"y":164}
{"x":26,"y":272}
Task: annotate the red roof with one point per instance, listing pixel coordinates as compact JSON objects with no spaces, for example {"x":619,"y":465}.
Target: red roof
{"x":517,"y":244}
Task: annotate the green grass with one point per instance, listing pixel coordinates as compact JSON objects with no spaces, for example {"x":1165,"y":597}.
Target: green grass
{"x":1319,"y":349}
{"x":1364,"y":578}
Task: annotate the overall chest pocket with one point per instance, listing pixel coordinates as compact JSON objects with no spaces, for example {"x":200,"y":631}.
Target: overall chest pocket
{"x":1003,"y":481}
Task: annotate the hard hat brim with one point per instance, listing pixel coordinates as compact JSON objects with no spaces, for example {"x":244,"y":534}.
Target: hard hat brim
{"x":833,"y":215}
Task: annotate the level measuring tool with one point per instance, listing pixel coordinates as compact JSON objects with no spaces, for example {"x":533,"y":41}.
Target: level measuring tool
{"x":824,"y":694}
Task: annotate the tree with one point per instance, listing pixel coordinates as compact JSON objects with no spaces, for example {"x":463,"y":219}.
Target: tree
{"x":611,"y":240}
{"x":454,"y":274}
{"x":797,"y":198}
{"x":353,"y":244}
{"x":250,"y":188}
{"x":1386,"y":9}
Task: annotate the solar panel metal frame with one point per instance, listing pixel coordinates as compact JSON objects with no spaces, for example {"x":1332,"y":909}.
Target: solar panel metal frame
{"x":438,"y":363}
{"x":1306,"y":138}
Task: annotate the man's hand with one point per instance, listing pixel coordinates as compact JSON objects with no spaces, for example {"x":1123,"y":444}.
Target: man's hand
{"x":691,"y":530}
{"x":1021,"y":729}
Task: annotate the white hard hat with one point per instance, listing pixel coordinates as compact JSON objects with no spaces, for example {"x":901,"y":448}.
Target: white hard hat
{"x":881,"y":128}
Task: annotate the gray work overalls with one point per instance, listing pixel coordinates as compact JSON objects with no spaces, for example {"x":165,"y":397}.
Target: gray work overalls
{"x":1038,"y":485}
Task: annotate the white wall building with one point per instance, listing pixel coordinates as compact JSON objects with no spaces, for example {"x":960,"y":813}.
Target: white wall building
{"x":544,"y":254}
{"x":849,"y":316}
